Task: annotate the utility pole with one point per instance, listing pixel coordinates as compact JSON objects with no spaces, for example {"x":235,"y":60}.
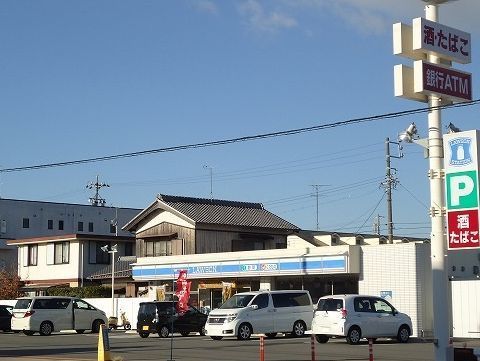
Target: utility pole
{"x":389,"y":184}
{"x":376,"y":225}
{"x":97,"y":200}
{"x":211,"y":179}
{"x":317,"y":187}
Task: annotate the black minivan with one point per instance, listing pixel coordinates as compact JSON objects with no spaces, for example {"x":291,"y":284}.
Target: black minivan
{"x":161,"y":317}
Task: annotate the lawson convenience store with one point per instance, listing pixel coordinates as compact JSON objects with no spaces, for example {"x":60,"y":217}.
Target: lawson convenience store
{"x":217,"y":276}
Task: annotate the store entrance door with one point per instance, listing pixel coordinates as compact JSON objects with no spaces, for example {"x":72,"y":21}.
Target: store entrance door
{"x":216,"y":298}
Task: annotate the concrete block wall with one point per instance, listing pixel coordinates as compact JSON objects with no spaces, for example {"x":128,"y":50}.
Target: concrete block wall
{"x":394,"y":269}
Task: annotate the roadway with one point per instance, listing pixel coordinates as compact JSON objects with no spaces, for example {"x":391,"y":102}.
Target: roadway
{"x":128,"y":346}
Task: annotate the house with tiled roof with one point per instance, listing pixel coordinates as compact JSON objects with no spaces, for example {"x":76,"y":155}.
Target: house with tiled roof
{"x":175,"y":225}
{"x":186,"y":227}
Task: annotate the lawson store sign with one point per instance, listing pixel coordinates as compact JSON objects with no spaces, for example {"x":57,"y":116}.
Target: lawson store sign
{"x":245,"y":268}
{"x":461,"y":183}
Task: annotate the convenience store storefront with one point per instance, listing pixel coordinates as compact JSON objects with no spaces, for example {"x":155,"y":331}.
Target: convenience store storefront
{"x":215,"y":277}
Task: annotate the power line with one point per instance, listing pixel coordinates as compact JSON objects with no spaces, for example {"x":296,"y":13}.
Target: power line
{"x":241,"y":139}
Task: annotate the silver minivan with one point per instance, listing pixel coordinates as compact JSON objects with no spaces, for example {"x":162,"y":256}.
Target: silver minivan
{"x":359,"y":316}
{"x":48,"y":314}
{"x":267,"y":312}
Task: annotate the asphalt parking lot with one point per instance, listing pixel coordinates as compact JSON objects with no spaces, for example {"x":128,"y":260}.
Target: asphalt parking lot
{"x":129,"y":346}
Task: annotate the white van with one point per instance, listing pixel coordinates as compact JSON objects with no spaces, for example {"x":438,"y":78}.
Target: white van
{"x":47,"y":314}
{"x":261,"y":312}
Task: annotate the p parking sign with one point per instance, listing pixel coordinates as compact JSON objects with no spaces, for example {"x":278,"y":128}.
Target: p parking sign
{"x":462,"y":190}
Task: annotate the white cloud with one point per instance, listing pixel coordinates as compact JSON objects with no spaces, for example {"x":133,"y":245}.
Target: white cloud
{"x":259,"y":19}
{"x":206,"y":6}
{"x":377,"y":16}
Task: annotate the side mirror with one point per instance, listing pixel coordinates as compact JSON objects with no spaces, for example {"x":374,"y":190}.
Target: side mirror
{"x":254,"y":307}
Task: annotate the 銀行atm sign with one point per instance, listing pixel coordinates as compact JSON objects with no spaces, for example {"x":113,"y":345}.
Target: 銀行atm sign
{"x":461,"y":183}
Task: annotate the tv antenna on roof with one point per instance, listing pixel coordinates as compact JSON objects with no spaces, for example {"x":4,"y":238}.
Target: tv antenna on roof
{"x":96,"y":200}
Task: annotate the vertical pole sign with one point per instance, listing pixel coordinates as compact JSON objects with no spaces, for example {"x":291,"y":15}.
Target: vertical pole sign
{"x":461,"y":185}
{"x":434,"y":47}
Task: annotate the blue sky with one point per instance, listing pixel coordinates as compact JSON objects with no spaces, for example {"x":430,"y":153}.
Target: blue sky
{"x":90,"y":78}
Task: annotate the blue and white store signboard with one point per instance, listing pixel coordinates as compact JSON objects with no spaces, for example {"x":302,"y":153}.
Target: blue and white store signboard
{"x":245,"y":268}
{"x":461,"y":183}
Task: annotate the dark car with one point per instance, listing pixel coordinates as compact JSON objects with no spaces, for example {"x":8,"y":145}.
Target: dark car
{"x":161,"y":317}
{"x":5,"y":317}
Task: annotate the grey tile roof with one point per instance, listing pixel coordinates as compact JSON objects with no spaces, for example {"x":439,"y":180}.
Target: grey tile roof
{"x":216,"y":211}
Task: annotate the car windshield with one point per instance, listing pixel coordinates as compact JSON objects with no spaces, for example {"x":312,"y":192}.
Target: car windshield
{"x":23,"y":304}
{"x":237,"y":301}
{"x":147,"y":309}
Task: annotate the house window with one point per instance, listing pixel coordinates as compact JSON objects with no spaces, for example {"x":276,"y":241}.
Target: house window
{"x":280,"y":245}
{"x":128,"y":249}
{"x":62,"y":252}
{"x":113,"y":228}
{"x":90,"y":226}
{"x":239,"y":245}
{"x":158,"y":248}
{"x":96,"y":255}
{"x":26,"y":223}
{"x":32,"y":254}
{"x":80,"y":226}
{"x":60,"y":225}
{"x":50,"y":224}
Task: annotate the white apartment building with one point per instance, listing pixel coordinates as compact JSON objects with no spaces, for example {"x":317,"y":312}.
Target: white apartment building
{"x":60,"y":243}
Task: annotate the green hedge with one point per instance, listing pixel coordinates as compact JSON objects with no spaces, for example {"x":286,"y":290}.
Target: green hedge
{"x":81,"y":292}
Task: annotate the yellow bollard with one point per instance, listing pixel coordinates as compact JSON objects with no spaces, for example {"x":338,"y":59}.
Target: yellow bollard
{"x":103,"y":344}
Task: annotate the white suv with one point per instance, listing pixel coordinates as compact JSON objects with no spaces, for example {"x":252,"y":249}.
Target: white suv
{"x":358,"y":316}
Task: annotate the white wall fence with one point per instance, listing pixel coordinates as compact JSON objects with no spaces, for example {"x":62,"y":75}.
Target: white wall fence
{"x":466,"y":308}
{"x":128,"y":305}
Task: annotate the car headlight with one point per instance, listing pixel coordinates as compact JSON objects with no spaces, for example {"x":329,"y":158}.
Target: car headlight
{"x":230,"y":318}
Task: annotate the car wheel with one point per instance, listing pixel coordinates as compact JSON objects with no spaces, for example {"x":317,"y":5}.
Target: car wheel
{"x":299,"y":329}
{"x":143,"y":334}
{"x":28,"y":333}
{"x":164,"y":332}
{"x":244,"y":331}
{"x":46,"y":328}
{"x":321,"y":338}
{"x":216,"y":338}
{"x":96,"y":326}
{"x":80,"y":331}
{"x":271,"y":335}
{"x":202,"y":332}
{"x":354,"y":335}
{"x":403,"y":334}
{"x":127,"y":326}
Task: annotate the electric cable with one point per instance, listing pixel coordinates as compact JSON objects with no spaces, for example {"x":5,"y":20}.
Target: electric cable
{"x":241,"y":139}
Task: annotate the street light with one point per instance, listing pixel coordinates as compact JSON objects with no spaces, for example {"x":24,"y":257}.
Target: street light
{"x":112,"y":251}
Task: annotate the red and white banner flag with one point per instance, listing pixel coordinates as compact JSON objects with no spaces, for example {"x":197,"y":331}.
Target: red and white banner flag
{"x":183,"y":291}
